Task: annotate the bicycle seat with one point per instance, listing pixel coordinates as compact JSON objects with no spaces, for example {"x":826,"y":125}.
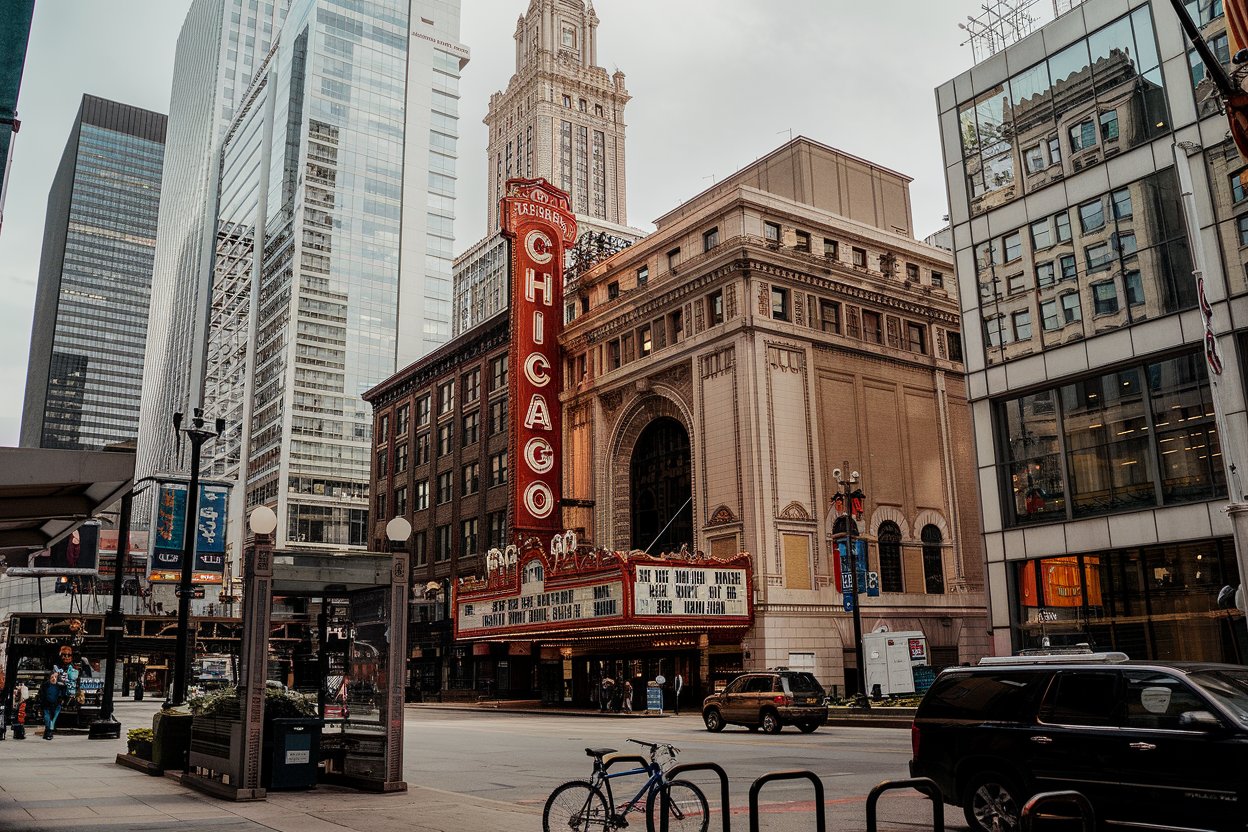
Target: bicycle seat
{"x":599,"y":752}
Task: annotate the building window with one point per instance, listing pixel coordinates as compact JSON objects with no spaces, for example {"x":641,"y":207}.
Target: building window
{"x":497,"y":521}
{"x":1098,"y":257}
{"x":643,"y":275}
{"x":1104,"y":298}
{"x":1022,"y":325}
{"x":1070,"y":270}
{"x":569,"y":37}
{"x":498,"y":373}
{"x":1048,"y":316}
{"x":779,"y":303}
{"x":445,"y":432}
{"x":830,"y":316}
{"x":933,"y":561}
{"x":859,"y":257}
{"x":1013,"y":246}
{"x":446,"y":488}
{"x":383,"y":430}
{"x":916,"y":337}
{"x":673,"y":258}
{"x":1134,"y":287}
{"x":468,"y":538}
{"x":400,"y":502}
{"x":954,"y":342}
{"x":421,"y":494}
{"x":400,"y":458}
{"x":446,"y":397}
{"x":912,"y":272}
{"x":420,"y":549}
{"x":567,"y":101}
{"x":1237,"y":186}
{"x":831,"y":249}
{"x":1109,"y":126}
{"x":472,"y":386}
{"x":1071,"y":310}
{"x":383,"y":459}
{"x":1041,"y":235}
{"x":1045,"y":275}
{"x":803,"y":241}
{"x":422,"y":411}
{"x":613,"y":354}
{"x":996,"y":331}
{"x":1121,"y":200}
{"x":1241,"y":225}
{"x":402,"y":422}
{"x":710,"y":239}
{"x":645,"y":342}
{"x":1082,"y":136}
{"x":470,"y":482}
{"x":871,"y":330}
{"x":584,"y":304}
{"x":613,"y":290}
{"x":1124,"y":243}
{"x":771,"y":232}
{"x":1061,"y":222}
{"x":444,"y":544}
{"x":1034,"y":158}
{"x":889,"y":542}
{"x":938,"y":280}
{"x":1092,"y":216}
{"x":498,"y":417}
{"x":1055,"y":152}
{"x":569,"y":313}
{"x":1016,"y":283}
{"x":422,"y":449}
{"x":472,"y":429}
{"x":715,"y":308}
{"x":498,"y":469}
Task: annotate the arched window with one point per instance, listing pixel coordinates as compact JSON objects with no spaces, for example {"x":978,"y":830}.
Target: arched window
{"x":838,"y":528}
{"x":933,"y":563}
{"x":889,"y":541}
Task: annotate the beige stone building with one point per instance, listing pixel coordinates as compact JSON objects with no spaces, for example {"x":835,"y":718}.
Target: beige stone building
{"x":716,"y":372}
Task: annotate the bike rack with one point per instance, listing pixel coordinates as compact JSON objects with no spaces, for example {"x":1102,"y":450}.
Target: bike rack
{"x":925,"y":785}
{"x":725,"y":802}
{"x":821,"y":821}
{"x":1087,"y":815}
{"x":607,"y":762}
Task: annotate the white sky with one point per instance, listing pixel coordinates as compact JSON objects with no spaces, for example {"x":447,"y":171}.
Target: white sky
{"x":715,"y":85}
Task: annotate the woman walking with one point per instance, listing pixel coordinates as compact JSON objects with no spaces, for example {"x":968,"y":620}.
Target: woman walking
{"x":51,"y":697}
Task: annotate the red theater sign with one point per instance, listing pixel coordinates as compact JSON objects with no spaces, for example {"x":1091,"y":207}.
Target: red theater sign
{"x":538,"y":221}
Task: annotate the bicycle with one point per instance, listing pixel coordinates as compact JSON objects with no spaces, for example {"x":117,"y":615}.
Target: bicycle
{"x":583,"y":806}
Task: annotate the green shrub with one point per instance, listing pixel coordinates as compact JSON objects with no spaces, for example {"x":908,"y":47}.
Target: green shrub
{"x":140,"y":735}
{"x":278,"y":704}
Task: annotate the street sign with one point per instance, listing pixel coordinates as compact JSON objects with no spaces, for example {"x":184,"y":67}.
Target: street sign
{"x":654,"y":697}
{"x":196,"y":592}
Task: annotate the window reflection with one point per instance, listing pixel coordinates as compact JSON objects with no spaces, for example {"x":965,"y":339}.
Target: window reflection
{"x":1107,"y":444}
{"x":1033,"y":460}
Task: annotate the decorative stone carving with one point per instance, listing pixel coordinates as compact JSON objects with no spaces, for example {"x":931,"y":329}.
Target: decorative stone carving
{"x":794,"y":511}
{"x":764,"y":299}
{"x":722,"y":516}
{"x":799,"y":309}
{"x":611,"y":400}
{"x":730,"y":301}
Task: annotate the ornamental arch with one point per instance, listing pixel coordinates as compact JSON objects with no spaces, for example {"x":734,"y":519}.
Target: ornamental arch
{"x":655,"y":417}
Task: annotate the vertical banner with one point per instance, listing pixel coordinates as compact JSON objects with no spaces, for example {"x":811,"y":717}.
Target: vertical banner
{"x":539,"y":223}
{"x":169,"y":529}
{"x":845,"y":576}
{"x":210,"y":541}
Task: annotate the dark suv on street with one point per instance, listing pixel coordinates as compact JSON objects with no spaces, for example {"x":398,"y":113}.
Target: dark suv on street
{"x":768,"y":700}
{"x":1159,"y":744}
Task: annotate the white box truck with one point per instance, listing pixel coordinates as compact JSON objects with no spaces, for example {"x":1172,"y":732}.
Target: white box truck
{"x":891,"y":659}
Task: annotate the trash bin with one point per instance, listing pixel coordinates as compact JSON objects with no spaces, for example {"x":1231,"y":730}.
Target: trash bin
{"x":138,"y":691}
{"x":291,"y":753}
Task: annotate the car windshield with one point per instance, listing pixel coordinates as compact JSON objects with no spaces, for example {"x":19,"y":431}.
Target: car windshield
{"x":804,"y":683}
{"x":1229,"y":687}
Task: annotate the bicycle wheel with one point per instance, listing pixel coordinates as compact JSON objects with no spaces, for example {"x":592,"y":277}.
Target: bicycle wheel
{"x":687,"y":811}
{"x":578,"y":806}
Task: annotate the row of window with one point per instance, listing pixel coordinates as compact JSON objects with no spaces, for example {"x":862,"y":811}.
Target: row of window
{"x":470,"y":388}
{"x":858,"y":258}
{"x":470,"y":434}
{"x":469,"y":542}
{"x":469,"y":484}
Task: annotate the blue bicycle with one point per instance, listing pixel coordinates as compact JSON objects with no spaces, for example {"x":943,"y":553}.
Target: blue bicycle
{"x":589,"y":805}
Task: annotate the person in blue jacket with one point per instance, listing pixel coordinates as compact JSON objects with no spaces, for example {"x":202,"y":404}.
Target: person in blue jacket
{"x":51,"y":696}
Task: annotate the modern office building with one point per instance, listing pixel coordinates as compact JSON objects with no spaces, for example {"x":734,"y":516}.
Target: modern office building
{"x":85,"y":370}
{"x":561,"y":119}
{"x":333,"y":254}
{"x":221,"y":45}
{"x":14,"y":35}
{"x":1102,"y":469}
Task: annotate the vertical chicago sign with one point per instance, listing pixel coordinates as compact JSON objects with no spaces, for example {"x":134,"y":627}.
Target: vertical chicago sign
{"x":538,"y":221}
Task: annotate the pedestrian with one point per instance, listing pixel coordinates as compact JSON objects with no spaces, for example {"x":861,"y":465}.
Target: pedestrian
{"x":628,"y":697}
{"x":21,"y":697}
{"x":604,"y":699}
{"x":51,"y":696}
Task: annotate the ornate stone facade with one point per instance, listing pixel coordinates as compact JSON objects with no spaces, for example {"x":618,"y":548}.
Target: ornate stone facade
{"x":832,"y":360}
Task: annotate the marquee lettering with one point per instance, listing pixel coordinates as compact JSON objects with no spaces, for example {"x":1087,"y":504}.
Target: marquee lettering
{"x":538,"y":455}
{"x":538,"y":414}
{"x":536,"y":367}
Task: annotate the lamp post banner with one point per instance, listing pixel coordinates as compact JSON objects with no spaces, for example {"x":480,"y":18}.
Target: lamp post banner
{"x":538,"y":223}
{"x":169,"y":528}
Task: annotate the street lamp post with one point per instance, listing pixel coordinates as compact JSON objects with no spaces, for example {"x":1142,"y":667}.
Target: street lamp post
{"x":851,"y":493}
{"x":198,"y":435}
{"x":107,"y":726}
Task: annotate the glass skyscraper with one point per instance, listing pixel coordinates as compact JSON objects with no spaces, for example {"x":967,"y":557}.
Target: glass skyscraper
{"x":91,"y":307}
{"x":333,"y":251}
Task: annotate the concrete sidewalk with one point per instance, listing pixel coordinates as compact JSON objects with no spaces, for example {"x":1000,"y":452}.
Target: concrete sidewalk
{"x":73,"y":783}
{"x":878,"y":717}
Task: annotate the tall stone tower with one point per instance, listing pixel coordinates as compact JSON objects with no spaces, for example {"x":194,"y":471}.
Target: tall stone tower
{"x":561,"y":116}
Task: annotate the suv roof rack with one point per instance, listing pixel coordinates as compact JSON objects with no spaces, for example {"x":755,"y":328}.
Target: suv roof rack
{"x":1057,"y":656}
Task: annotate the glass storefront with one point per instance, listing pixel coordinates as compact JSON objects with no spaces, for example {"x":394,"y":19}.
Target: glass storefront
{"x":1158,"y":602}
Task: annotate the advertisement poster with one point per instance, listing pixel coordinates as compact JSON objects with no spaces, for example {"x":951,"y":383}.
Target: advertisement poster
{"x":78,"y":552}
{"x":169,"y":529}
{"x":210,"y":544}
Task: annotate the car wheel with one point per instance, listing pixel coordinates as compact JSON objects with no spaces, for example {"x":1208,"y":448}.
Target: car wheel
{"x":714,"y":722}
{"x":807,"y":727}
{"x":770,"y":722}
{"x":992,"y":804}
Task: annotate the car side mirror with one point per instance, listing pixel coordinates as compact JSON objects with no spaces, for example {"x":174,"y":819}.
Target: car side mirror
{"x":1199,"y":721}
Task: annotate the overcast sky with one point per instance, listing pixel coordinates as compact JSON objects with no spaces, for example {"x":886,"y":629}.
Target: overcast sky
{"x":715,"y":85}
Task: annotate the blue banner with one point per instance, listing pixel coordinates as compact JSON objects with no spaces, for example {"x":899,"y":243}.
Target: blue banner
{"x":169,"y":530}
{"x":860,"y":552}
{"x":210,"y":541}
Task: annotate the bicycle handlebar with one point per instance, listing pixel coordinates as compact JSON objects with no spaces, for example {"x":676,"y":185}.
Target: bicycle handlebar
{"x":655,"y":746}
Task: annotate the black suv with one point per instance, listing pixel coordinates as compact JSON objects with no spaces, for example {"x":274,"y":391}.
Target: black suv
{"x":1160,"y":744}
{"x":768,"y":700}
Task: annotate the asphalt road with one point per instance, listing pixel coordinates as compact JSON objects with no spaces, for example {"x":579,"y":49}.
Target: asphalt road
{"x":520,"y":758}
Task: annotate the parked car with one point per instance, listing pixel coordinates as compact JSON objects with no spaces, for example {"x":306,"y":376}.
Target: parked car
{"x":1161,"y":744}
{"x":768,"y":700}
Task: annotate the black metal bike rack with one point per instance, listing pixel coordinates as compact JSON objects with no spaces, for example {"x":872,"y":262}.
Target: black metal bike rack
{"x":607,"y":762}
{"x":725,"y":803}
{"x":924,"y":785}
{"x":821,"y":821}
{"x":1087,"y":815}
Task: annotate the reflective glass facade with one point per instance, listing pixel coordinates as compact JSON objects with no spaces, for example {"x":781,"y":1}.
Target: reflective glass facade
{"x":90,"y":326}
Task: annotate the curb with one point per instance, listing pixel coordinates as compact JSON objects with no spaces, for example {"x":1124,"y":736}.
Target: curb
{"x":479,"y":709}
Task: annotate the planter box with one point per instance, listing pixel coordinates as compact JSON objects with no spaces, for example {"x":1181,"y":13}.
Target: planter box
{"x":173,"y":740}
{"x":217,"y":746}
{"x":141,"y":749}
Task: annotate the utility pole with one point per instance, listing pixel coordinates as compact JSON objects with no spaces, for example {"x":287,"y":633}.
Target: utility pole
{"x":849,"y":493}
